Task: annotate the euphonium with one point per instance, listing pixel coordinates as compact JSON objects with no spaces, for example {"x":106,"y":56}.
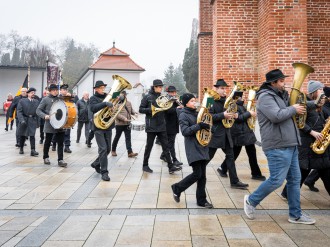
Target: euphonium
{"x":164,"y":102}
{"x":104,"y":118}
{"x":251,"y":106}
{"x":296,"y":96}
{"x":204,"y":135}
{"x":231,"y":106}
{"x":319,"y":147}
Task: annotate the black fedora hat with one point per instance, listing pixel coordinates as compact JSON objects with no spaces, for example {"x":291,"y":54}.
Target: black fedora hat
{"x":64,"y":86}
{"x":157,"y":82}
{"x":99,"y":84}
{"x":31,"y":89}
{"x":52,"y":87}
{"x":170,"y":89}
{"x":220,"y":83}
{"x":274,"y":75}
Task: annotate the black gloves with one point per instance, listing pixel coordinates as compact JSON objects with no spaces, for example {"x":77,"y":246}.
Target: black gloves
{"x":109,"y":104}
{"x":204,"y":125}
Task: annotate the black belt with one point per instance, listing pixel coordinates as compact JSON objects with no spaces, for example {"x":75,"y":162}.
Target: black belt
{"x":29,"y":116}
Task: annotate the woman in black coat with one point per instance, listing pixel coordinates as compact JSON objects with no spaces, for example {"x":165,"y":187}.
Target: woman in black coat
{"x":197,"y":155}
{"x":242,"y":135}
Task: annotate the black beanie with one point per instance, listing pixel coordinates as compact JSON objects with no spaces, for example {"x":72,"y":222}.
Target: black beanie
{"x":186,"y":97}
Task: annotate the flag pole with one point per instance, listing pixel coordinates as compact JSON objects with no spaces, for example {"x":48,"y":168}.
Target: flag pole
{"x":29,"y":77}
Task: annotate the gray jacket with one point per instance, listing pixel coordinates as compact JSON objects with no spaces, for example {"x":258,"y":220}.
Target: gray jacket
{"x":277,"y":127}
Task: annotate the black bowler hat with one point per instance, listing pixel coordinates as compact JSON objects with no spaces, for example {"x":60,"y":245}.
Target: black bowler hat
{"x":274,"y":75}
{"x":31,"y":89}
{"x":220,"y":83}
{"x":52,"y":87}
{"x":157,"y":82}
{"x":64,"y":86}
{"x":170,"y":89}
{"x":99,"y":84}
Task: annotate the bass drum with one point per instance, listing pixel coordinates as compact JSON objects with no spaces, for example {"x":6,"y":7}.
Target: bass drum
{"x":63,"y":114}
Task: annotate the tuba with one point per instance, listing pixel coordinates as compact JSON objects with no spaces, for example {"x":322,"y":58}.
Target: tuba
{"x":230,"y":105}
{"x":104,"y":118}
{"x":296,"y":96}
{"x":204,"y":136}
{"x":164,"y":102}
{"x":319,"y":147}
{"x":251,"y":105}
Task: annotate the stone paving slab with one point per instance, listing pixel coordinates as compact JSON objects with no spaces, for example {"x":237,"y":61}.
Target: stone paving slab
{"x":52,"y":206}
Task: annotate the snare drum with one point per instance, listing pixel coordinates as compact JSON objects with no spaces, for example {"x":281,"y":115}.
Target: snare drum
{"x":63,"y":114}
{"x":137,"y":125}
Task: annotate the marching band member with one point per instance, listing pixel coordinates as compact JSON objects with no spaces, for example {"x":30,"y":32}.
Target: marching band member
{"x":102,"y":136}
{"x":197,"y":155}
{"x":67,"y":134}
{"x":279,"y":139}
{"x":155,"y":126}
{"x":221,"y":138}
{"x":43,"y":112}
{"x":172,"y":126}
{"x":28,"y":120}
{"x":82,"y":107}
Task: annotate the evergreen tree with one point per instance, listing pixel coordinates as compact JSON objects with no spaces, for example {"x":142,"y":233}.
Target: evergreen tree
{"x":174,"y":77}
{"x":190,"y":67}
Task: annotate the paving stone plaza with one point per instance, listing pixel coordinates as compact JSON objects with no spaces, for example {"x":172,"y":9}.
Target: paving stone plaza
{"x":43,"y":205}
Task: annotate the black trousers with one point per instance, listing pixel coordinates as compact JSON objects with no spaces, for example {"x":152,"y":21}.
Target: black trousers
{"x":103,"y":140}
{"x":59,"y":139}
{"x":313,"y":176}
{"x":91,"y":133}
{"x":229,"y":162}
{"x":80,"y":126}
{"x":199,"y":176}
{"x":18,"y":137}
{"x":150,"y":142}
{"x":42,"y":135}
{"x":127,"y":131}
{"x":252,"y":154}
{"x":323,"y":173}
{"x":67,"y":136}
{"x":171,"y":146}
{"x":32,"y":142}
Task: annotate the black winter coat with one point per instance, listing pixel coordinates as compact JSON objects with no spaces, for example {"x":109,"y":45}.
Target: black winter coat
{"x":27,"y":117}
{"x":14,"y":105}
{"x":154,"y":123}
{"x":82,"y":107}
{"x":96,"y":104}
{"x":307,"y":158}
{"x":241,"y":133}
{"x":189,"y":128}
{"x":172,"y":121}
{"x":220,"y":133}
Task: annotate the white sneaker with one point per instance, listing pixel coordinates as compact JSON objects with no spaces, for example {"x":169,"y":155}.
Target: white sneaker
{"x":248,"y":209}
{"x":303,"y":219}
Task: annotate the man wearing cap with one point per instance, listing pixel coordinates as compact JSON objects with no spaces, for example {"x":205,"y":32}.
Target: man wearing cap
{"x":82,"y":107}
{"x":43,"y":111}
{"x":221,"y":138}
{"x":155,"y":126}
{"x":102,"y":136}
{"x":315,"y":122}
{"x":28,"y":120}
{"x":279,"y":139}
{"x":67,"y":134}
{"x":172,"y":126}
{"x":122,"y":122}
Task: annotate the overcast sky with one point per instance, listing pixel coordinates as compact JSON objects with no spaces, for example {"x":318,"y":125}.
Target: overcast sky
{"x":154,"y":32}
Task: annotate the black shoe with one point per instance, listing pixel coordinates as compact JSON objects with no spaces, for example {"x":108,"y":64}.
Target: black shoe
{"x":61,"y":163}
{"x":77,"y":141}
{"x":205,"y":205}
{"x":11,"y":127}
{"x":258,"y":177}
{"x":147,"y":169}
{"x":53,"y":148}
{"x":284,"y":195}
{"x":6,"y":129}
{"x":177,"y":163}
{"x":46,"y":161}
{"x":176,"y":196}
{"x":67,"y":150}
{"x":89,"y":145}
{"x":157,"y":142}
{"x":97,"y":168}
{"x":239,"y":185}
{"x":17,"y":145}
{"x":163,"y":158}
{"x":105,"y":177}
{"x":24,"y":144}
{"x":222,"y":173}
{"x":21,"y":151}
{"x":312,"y":187}
{"x":34,"y":153}
{"x":86,"y":142}
{"x":41,"y":141}
{"x":174,"y":168}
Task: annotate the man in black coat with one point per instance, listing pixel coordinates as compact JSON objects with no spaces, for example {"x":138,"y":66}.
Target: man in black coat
{"x":12,"y":109}
{"x":221,"y":138}
{"x":82,"y":107}
{"x":155,"y":126}
{"x":172,"y":126}
{"x":102,"y":136}
{"x":28,"y":120}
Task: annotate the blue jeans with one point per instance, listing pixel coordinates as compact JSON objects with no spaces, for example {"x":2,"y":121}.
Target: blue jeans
{"x":283,"y":164}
